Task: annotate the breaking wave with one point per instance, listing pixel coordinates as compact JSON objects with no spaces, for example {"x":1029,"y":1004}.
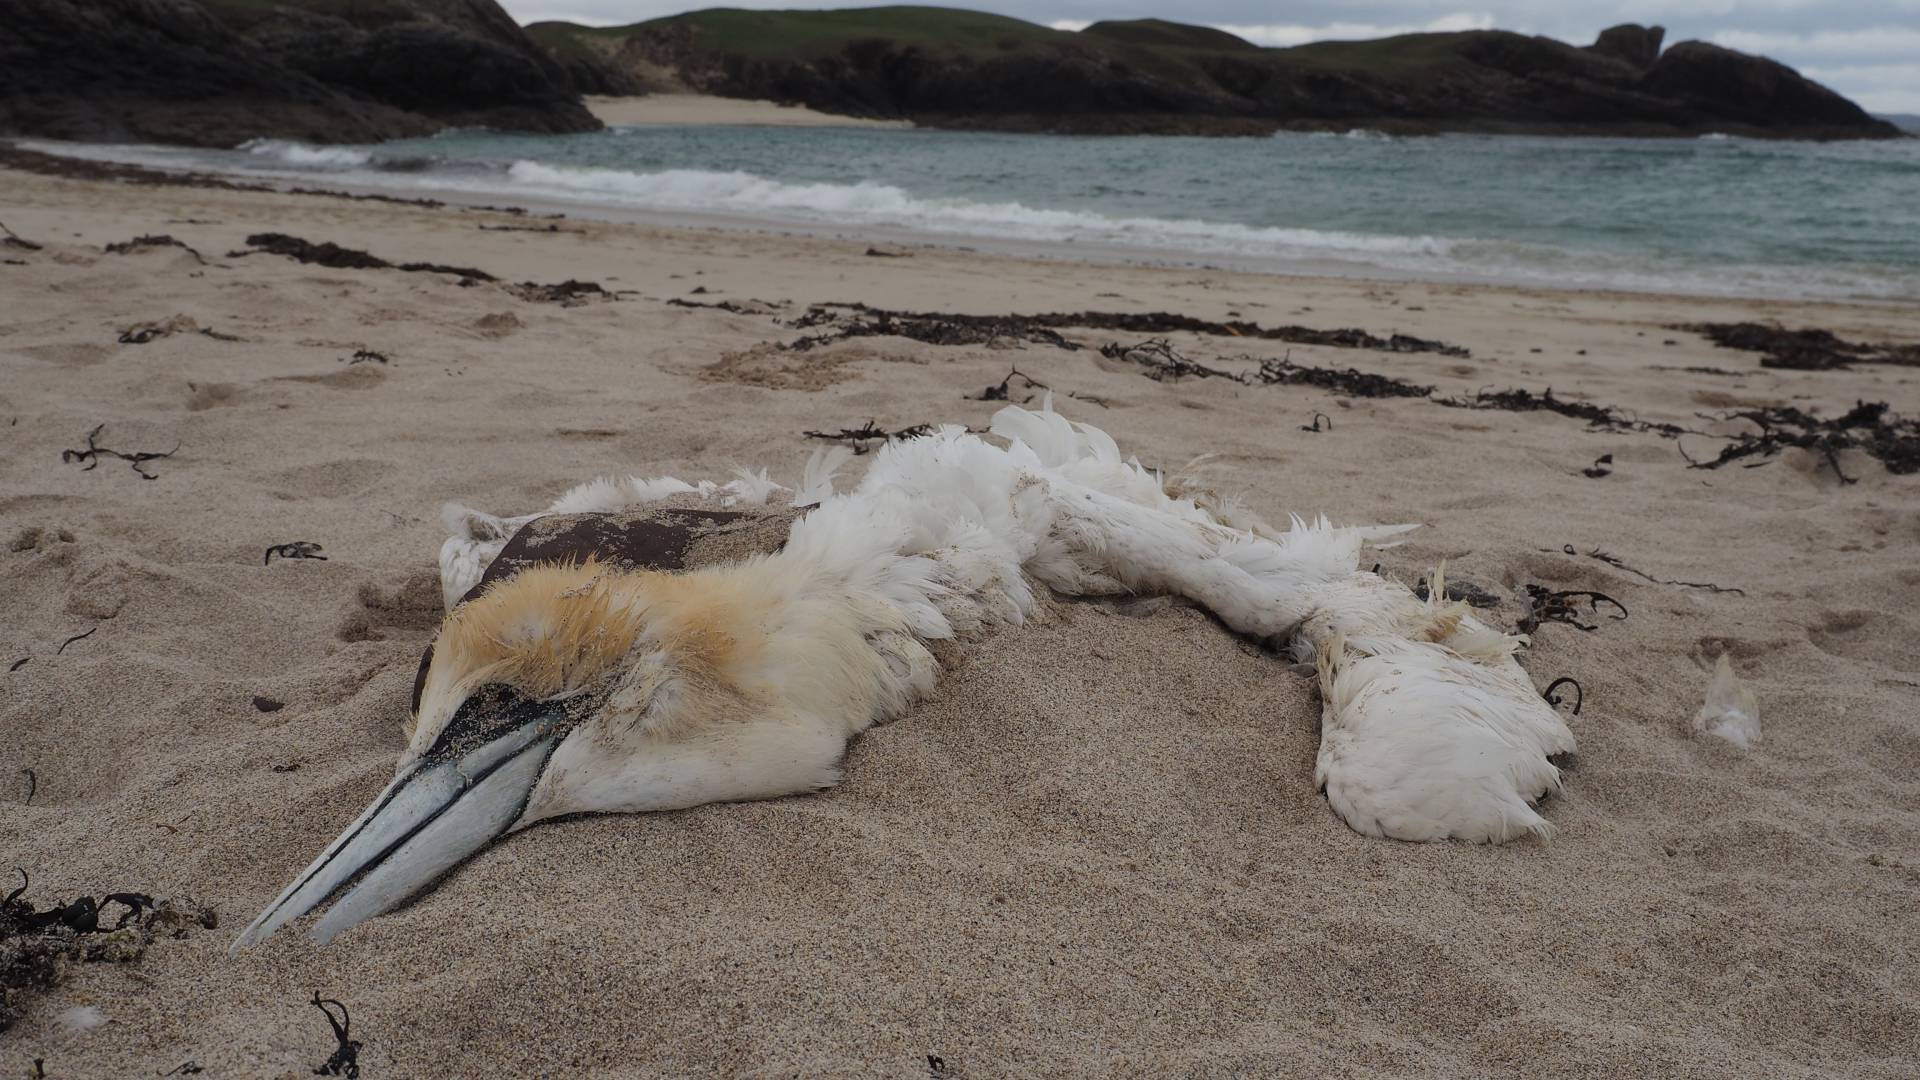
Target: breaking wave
{"x":307,"y":157}
{"x":868,"y":203}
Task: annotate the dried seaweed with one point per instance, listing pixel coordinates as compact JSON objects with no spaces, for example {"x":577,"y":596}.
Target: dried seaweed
{"x":345,"y":1059}
{"x":38,"y":946}
{"x":298,"y":549}
{"x":1580,"y":691}
{"x":723,"y":305}
{"x":569,"y":293}
{"x":1612,"y":561}
{"x":1347,"y":381}
{"x":1598,"y":417}
{"x":74,"y":638}
{"x":959,"y":329}
{"x":1000,"y":390}
{"x":91,"y":455}
{"x":1868,"y":426}
{"x":1164,"y":363}
{"x":15,"y":240}
{"x":143,"y":243}
{"x":18,"y":664}
{"x":1811,"y":349}
{"x":548,"y":228}
{"x":33,"y":785}
{"x":859,"y":437}
{"x":1602,"y":466}
{"x":1552,"y":606}
{"x":368,"y":356}
{"x":1315,"y":426}
{"x":141,"y":333}
{"x":858,"y":320}
{"x":335,"y":257}
{"x":1702,"y":370}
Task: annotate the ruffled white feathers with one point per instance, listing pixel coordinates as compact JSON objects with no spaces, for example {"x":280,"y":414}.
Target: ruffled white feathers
{"x":1430,"y":728}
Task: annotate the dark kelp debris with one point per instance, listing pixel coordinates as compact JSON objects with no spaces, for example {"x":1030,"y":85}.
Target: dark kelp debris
{"x":758,"y":307}
{"x":141,"y":333}
{"x":1602,"y":466}
{"x":1315,"y":427}
{"x":1868,"y":426}
{"x":1347,"y":381}
{"x":345,"y":1059}
{"x":1615,"y":562}
{"x":843,"y":321}
{"x":335,"y":257}
{"x":368,"y":356}
{"x":1598,"y":417}
{"x":859,"y":437}
{"x":33,"y":785}
{"x":569,"y":293}
{"x":74,"y":638}
{"x":1580,"y":693}
{"x":137,"y":458}
{"x":1551,"y":606}
{"x":853,"y":320}
{"x":1161,"y":362}
{"x":1001,"y":391}
{"x":298,"y":549}
{"x":38,"y":947}
{"x":1811,"y":349}
{"x":143,"y":243}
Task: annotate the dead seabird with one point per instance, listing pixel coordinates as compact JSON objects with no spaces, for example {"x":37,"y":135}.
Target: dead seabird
{"x":609,"y":675}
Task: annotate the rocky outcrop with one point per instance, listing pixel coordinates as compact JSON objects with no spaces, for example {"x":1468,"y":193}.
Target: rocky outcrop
{"x":219,"y":72}
{"x":1631,"y":43}
{"x":963,"y":69}
{"x":1731,"y":91}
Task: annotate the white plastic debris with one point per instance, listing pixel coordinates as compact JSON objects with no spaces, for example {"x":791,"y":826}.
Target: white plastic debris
{"x":82,"y":1018}
{"x":1731,"y":711}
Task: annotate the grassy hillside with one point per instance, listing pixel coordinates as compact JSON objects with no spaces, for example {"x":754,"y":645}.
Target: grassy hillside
{"x":968,"y":68}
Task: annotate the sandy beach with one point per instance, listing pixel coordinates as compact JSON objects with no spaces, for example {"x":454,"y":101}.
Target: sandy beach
{"x":1098,"y":850}
{"x":707,"y":109}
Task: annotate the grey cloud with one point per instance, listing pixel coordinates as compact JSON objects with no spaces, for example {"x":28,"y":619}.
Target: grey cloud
{"x":1861,"y":48}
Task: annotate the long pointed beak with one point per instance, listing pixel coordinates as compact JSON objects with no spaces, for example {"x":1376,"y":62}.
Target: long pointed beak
{"x":464,"y":792}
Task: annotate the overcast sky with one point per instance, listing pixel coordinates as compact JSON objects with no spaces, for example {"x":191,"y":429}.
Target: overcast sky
{"x":1868,"y":50}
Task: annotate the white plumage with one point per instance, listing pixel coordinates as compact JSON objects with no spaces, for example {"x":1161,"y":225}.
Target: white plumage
{"x":570,"y":689}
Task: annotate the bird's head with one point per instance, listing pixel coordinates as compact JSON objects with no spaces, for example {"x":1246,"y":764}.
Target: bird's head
{"x":563,"y":689}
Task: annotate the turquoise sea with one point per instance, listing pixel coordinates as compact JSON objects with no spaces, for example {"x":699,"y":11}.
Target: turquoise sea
{"x":1714,"y":215}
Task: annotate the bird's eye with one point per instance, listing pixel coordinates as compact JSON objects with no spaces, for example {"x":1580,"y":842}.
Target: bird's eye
{"x":488,"y":713}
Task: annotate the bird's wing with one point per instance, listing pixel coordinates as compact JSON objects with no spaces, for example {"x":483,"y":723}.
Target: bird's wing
{"x":1420,"y":743}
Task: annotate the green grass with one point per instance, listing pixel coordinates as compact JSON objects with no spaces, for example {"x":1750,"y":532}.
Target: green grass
{"x":809,"y":34}
{"x":1166,"y":49}
{"x":1159,"y":33}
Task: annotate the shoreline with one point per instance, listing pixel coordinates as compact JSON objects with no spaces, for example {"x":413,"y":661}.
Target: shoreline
{"x":666,"y":109}
{"x":1092,"y":254}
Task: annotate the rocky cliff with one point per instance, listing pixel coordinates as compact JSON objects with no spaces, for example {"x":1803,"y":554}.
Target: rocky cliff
{"x":219,"y":72}
{"x":967,"y":69}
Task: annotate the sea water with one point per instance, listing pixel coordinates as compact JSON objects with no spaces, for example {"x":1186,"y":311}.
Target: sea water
{"x":1712,"y":215}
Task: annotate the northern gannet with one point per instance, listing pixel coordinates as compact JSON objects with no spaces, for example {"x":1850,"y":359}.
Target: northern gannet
{"x":580,"y":685}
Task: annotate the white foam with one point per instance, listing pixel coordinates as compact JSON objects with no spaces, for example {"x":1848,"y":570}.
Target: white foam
{"x":305,"y":156}
{"x":869,"y":203}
